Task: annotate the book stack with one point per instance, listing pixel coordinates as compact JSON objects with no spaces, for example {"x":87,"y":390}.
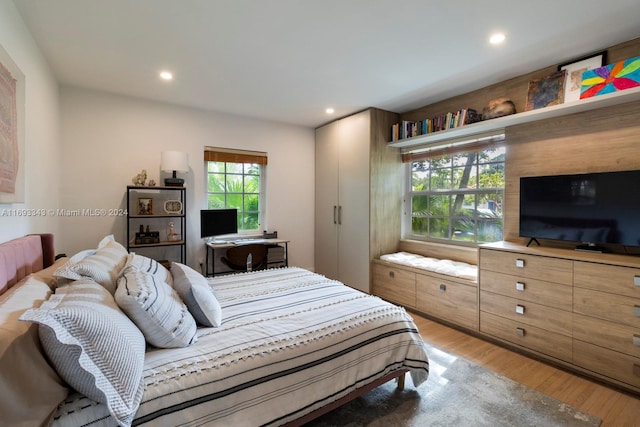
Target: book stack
{"x":409,"y":129}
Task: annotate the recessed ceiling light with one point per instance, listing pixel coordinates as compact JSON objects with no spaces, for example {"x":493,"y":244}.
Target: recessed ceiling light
{"x":497,"y":38}
{"x":166,"y":75}
{"x":329,"y":110}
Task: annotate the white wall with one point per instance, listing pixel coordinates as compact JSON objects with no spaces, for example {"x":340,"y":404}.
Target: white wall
{"x":42,"y":135}
{"x":107,"y":139}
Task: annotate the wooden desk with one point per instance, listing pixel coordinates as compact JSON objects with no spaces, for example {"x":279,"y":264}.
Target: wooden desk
{"x":213,"y":245}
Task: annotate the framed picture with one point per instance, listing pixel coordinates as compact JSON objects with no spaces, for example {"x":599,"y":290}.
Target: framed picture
{"x":145,"y":206}
{"x":12,"y":119}
{"x":546,"y":91}
{"x":575,"y":70}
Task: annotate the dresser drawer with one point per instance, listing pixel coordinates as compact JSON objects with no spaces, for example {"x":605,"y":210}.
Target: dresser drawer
{"x":608,"y":278}
{"x":622,"y":338}
{"x":552,"y":344}
{"x":448,"y":300}
{"x":616,"y":308}
{"x":613,"y":364}
{"x":538,"y":267}
{"x":528,"y":313}
{"x":394,"y":284}
{"x":528,"y":289}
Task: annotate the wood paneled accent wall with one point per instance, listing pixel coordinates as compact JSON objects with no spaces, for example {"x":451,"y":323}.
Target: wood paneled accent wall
{"x":606,"y":139}
{"x":386,"y":177}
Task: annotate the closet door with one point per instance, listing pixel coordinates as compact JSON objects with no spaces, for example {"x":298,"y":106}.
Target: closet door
{"x":326,"y":200}
{"x":353,"y":197}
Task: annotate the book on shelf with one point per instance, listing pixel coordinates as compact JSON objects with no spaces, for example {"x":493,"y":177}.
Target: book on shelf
{"x":453,"y":119}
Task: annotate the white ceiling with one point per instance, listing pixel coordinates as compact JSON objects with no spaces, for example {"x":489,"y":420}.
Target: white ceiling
{"x":287,"y":60}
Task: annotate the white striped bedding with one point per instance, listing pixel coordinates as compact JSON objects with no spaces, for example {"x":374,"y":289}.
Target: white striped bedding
{"x":291,"y":341}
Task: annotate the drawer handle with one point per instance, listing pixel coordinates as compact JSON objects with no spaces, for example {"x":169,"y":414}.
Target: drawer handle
{"x":520,"y":332}
{"x":392,"y":274}
{"x":636,"y":340}
{"x":520,"y":286}
{"x":636,"y":280}
{"x":636,"y":310}
{"x":443,"y":287}
{"x":520,"y":309}
{"x":520,"y":263}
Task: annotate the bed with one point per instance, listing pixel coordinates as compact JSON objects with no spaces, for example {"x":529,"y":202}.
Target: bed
{"x":289,"y":346}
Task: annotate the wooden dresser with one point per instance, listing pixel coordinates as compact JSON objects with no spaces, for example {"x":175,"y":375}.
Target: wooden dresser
{"x":578,"y":309}
{"x":453,"y":300}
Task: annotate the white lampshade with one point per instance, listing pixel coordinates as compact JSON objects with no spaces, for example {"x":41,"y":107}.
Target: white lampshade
{"x":174,"y":161}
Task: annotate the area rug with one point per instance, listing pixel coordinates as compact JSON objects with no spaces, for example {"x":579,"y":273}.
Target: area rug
{"x":457,"y":393}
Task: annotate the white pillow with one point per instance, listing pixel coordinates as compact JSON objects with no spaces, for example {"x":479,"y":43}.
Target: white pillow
{"x":30,"y":387}
{"x":103,"y":267}
{"x":95,"y":348}
{"x":151,"y":266}
{"x":196,"y":293}
{"x":156,"y":308}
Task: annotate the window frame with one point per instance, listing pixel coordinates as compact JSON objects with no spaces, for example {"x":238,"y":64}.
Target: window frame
{"x":451,"y":192}
{"x":247,"y":160}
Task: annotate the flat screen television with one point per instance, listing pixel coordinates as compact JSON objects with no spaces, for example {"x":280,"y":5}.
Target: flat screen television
{"x":216,"y":222}
{"x":592,"y":209}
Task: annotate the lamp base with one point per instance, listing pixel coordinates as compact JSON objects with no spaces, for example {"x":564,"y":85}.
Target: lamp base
{"x":174,"y":182}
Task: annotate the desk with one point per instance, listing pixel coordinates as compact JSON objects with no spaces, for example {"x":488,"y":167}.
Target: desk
{"x":213,"y":245}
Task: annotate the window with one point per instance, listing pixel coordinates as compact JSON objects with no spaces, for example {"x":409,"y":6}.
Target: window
{"x":236,"y":180}
{"x":457,"y":197}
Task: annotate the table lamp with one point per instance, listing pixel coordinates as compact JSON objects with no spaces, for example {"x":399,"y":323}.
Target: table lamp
{"x":174,"y":161}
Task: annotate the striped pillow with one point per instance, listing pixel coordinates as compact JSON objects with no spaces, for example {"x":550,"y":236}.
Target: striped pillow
{"x":156,"y":309}
{"x":196,"y":293}
{"x":151,"y":266}
{"x":94,"y":347}
{"x":103,"y":267}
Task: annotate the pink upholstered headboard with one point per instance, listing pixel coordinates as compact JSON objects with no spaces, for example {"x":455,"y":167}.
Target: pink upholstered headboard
{"x":23,"y":256}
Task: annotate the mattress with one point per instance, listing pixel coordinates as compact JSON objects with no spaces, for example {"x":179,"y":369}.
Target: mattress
{"x":285,"y":332}
{"x":442,"y":266}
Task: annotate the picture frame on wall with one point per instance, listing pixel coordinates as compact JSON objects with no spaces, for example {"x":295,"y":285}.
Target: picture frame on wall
{"x":546,"y":91}
{"x":145,"y":206}
{"x":575,"y":69}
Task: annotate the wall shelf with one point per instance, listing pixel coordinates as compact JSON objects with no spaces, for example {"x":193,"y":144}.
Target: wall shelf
{"x":495,"y":127}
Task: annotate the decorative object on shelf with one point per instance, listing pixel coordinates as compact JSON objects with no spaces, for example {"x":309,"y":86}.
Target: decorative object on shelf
{"x":140,"y":179}
{"x":147,"y":238}
{"x":152,"y":183}
{"x":174,"y":161}
{"x":173,"y":207}
{"x":575,"y":69}
{"x":497,"y":108}
{"x":145,"y":206}
{"x":172,"y":236}
{"x":611,"y":78}
{"x":546,"y":91}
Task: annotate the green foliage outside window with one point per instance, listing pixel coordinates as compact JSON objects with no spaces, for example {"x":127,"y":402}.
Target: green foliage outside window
{"x":458,"y":197}
{"x":235,"y":185}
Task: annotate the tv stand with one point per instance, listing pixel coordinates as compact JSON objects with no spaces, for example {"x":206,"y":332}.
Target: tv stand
{"x":531,"y":240}
{"x":590,"y":247}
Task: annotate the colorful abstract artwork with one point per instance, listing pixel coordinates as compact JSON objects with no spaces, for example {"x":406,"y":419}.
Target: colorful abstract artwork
{"x":611,"y":78}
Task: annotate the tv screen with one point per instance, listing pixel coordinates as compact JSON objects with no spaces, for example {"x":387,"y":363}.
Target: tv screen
{"x":216,"y":222}
{"x":594,"y":208}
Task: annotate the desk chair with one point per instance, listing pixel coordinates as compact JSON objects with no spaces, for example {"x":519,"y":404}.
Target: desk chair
{"x":236,"y":257}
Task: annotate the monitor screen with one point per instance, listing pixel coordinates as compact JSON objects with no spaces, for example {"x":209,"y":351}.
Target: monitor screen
{"x":216,"y":222}
{"x":590,"y":208}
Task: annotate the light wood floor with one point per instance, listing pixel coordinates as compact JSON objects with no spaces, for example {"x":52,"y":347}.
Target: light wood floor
{"x":615,"y":408}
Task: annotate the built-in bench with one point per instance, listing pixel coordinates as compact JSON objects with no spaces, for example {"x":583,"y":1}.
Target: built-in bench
{"x":438,"y":286}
